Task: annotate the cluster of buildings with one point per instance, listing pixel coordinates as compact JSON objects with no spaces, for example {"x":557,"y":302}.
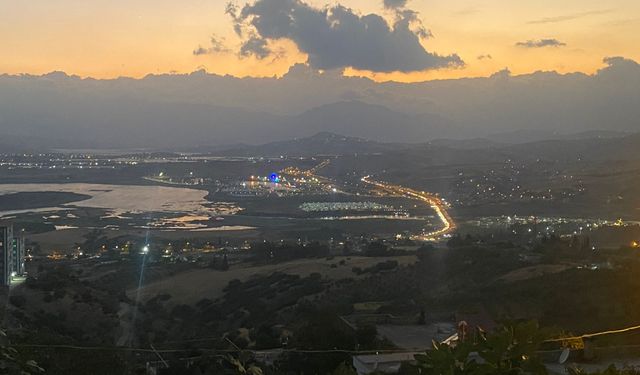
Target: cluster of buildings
{"x":506,"y":184}
{"x":344,"y":206}
{"x":62,"y":161}
{"x":259,"y":186}
{"x":289,"y":182}
{"x":12,"y":255}
{"x":188,"y":180}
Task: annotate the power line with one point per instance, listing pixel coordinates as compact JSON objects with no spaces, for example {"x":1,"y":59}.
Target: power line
{"x":267,"y":351}
{"x":596,"y":334}
{"x":159,"y":356}
{"x":279,"y":351}
{"x":98,"y":348}
{"x":217,"y":338}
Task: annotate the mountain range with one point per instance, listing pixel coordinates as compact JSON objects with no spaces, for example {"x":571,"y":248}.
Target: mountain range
{"x":184,"y":111}
{"x":599,"y":146}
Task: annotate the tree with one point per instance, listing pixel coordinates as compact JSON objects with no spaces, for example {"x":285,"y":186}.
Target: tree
{"x":446,"y":360}
{"x":210,"y":363}
{"x":367,"y":336}
{"x":425,"y":252}
{"x":18,"y":301}
{"x":574,"y":242}
{"x":225,"y":263}
{"x":10,"y":361}
{"x":323,"y":330}
{"x":422,"y":319}
{"x":376,"y":249}
{"x":241,"y":365}
{"x":94,"y":240}
{"x":611,"y":370}
{"x":344,"y":369}
{"x":586,"y":244}
{"x":511,"y":350}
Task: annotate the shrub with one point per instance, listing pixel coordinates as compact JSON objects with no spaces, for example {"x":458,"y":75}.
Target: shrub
{"x":18,"y":301}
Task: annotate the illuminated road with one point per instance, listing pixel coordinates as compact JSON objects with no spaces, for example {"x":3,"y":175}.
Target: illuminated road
{"x":310,"y":174}
{"x":293,"y":171}
{"x":440,"y":207}
{"x":448,"y":225}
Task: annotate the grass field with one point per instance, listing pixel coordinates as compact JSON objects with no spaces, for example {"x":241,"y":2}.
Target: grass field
{"x":191,"y":286}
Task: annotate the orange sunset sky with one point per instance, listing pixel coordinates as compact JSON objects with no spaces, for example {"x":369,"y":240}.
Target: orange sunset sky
{"x":112,"y":38}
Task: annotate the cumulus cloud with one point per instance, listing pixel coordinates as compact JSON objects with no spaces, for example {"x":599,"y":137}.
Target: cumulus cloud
{"x":625,"y":69}
{"x":485,"y":57}
{"x":255,"y":46}
{"x":501,"y":74}
{"x":232,"y":10}
{"x":336,"y":37}
{"x":216,"y":46}
{"x":200,"y":51}
{"x":394,"y":4}
{"x":540,"y":43}
{"x":618,"y":61}
{"x":407,"y":18}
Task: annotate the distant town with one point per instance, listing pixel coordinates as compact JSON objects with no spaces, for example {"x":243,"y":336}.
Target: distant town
{"x":254,"y":253}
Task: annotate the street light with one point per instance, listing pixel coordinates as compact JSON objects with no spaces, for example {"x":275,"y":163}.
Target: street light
{"x":145,"y":249}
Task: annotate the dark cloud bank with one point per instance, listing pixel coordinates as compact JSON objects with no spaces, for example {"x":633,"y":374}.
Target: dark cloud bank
{"x":178,"y":111}
{"x":336,"y":37}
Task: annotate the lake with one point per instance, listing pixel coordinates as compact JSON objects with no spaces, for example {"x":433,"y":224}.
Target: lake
{"x":123,"y":198}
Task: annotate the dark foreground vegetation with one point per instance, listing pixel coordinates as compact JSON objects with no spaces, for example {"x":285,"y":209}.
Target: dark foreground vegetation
{"x":286,"y":323}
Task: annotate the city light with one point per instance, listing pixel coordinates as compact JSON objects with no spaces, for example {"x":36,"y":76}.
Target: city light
{"x":274,"y":177}
{"x":145,"y":249}
{"x":435,"y":203}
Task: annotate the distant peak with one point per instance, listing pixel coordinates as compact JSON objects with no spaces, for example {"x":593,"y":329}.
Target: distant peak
{"x":56,"y":74}
{"x":326,"y":135}
{"x":350,"y":104}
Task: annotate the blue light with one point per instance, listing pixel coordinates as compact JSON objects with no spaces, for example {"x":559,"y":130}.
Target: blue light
{"x":274,"y":177}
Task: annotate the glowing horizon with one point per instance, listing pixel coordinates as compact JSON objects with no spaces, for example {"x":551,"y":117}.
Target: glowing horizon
{"x":110,"y":39}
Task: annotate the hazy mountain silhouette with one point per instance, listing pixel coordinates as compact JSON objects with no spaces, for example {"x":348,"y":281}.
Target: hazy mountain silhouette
{"x":323,"y":143}
{"x":200,"y":109}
